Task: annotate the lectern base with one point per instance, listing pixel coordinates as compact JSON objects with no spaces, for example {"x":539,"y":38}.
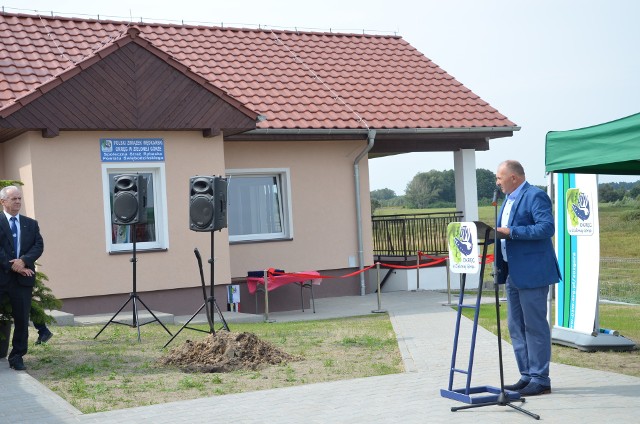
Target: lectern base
{"x":478,"y":395}
{"x":588,"y":342}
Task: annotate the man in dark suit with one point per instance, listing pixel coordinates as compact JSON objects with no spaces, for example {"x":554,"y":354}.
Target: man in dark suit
{"x":20,"y":246}
{"x":527,"y":264}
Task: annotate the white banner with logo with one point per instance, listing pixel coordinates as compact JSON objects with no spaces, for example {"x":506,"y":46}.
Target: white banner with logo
{"x":462,"y":240}
{"x":578,"y":251}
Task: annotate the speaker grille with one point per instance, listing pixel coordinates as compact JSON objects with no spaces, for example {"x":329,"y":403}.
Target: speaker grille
{"x":202,"y":185}
{"x":125,"y":182}
{"x":125,"y":207}
{"x":201,"y":213}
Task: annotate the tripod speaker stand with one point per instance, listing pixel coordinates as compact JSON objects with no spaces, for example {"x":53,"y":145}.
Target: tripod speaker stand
{"x":134,"y":298}
{"x":210,"y":305}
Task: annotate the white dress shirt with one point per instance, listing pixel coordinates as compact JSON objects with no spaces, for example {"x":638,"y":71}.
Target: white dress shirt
{"x":506,"y":213}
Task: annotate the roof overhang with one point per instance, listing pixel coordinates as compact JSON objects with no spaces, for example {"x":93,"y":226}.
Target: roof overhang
{"x":388,"y":141}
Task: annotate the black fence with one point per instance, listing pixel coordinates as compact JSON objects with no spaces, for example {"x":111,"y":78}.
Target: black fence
{"x":402,"y":236}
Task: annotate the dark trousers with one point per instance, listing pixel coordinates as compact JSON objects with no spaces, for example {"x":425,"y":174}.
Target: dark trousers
{"x":42,"y":328}
{"x":20,"y":299}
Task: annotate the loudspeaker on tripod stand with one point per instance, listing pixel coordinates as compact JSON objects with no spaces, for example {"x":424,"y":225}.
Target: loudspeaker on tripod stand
{"x":129,"y":199}
{"x":207,"y":203}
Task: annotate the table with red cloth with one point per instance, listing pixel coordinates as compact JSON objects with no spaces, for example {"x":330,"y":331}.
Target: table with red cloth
{"x":304,"y":279}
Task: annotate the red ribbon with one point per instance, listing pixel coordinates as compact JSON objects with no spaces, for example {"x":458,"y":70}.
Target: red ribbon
{"x":434,"y":261}
{"x":272,"y":271}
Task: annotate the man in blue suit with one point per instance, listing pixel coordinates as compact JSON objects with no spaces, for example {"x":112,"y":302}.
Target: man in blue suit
{"x":20,"y":246}
{"x":527,"y":264}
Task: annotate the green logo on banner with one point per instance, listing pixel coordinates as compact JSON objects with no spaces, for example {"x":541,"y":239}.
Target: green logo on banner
{"x":453,"y":232}
{"x":572,"y":197}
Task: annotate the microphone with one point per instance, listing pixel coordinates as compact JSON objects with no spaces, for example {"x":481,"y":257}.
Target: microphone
{"x":494,"y":202}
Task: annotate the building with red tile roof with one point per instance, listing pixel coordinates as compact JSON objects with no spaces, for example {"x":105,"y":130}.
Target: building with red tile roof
{"x":302,"y":108}
{"x":311,"y":81}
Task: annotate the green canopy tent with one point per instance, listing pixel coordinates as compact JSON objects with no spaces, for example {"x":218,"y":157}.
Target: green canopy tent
{"x":610,"y":148}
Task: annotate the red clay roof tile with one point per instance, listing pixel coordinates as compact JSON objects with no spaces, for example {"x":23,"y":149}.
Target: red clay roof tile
{"x":307,"y":80}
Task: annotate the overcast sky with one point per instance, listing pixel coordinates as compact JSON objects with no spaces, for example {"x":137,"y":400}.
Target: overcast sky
{"x":548,"y":65}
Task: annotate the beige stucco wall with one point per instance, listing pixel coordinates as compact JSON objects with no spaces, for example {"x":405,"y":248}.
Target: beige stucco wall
{"x":66,"y":178}
{"x":16,"y":165}
{"x":63,"y":191}
{"x":323,"y":205}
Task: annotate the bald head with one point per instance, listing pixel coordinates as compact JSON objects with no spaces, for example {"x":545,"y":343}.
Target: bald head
{"x":509,"y":176}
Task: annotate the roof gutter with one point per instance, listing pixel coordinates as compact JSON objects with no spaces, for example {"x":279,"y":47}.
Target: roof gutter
{"x":326,"y":131}
{"x":371,"y":135}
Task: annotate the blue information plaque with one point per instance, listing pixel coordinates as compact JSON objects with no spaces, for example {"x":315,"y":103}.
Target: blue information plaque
{"x":132,"y":149}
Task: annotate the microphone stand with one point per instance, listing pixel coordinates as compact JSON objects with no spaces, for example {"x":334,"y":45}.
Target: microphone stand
{"x":503,"y":398}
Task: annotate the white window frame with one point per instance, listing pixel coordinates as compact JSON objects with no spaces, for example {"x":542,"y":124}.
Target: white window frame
{"x":284,"y":180}
{"x":160,"y":205}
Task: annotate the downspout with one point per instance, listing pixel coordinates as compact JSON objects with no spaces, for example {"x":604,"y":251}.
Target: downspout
{"x":356,"y":172}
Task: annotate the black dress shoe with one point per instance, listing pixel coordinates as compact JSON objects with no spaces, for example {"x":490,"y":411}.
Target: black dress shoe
{"x":17,"y":363}
{"x":43,"y":338}
{"x":535,"y":389}
{"x":521,"y":384}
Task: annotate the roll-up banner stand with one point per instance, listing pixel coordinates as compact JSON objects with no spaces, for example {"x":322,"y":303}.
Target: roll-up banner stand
{"x":578,"y":252}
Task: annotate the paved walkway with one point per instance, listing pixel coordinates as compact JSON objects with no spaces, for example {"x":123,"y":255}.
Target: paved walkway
{"x":424,"y":328}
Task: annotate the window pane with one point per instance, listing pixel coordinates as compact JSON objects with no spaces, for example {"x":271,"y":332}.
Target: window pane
{"x":121,"y":234}
{"x":254,"y":205}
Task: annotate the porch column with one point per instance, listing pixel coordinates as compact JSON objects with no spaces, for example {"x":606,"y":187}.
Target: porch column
{"x":464,"y":163}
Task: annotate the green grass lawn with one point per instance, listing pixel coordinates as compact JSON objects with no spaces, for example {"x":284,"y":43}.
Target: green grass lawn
{"x":116,"y":371}
{"x":624,"y":318}
{"x":619,"y":226}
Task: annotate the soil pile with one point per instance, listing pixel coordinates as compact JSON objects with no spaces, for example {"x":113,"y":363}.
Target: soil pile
{"x":224,"y":352}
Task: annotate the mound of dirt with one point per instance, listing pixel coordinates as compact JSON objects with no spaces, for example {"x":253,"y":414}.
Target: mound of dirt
{"x":224,"y":352}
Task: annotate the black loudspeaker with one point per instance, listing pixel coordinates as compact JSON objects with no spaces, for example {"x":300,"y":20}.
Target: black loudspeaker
{"x":207,"y":203}
{"x":129,"y":199}
{"x":221,"y":203}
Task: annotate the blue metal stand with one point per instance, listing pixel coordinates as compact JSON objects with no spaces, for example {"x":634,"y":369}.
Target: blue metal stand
{"x":480,"y":395}
{"x":468,"y":394}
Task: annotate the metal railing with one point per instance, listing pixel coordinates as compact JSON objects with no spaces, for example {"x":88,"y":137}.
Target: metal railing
{"x":403,"y":236}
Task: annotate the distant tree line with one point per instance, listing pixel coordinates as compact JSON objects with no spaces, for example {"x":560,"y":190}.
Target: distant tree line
{"x":437,"y":189}
{"x":617,"y":192}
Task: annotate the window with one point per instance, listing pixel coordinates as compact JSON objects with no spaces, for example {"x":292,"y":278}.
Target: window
{"x":149,"y":235}
{"x":258,"y":205}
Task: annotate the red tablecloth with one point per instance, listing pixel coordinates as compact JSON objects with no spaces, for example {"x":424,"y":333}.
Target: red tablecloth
{"x":276,"y":281}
